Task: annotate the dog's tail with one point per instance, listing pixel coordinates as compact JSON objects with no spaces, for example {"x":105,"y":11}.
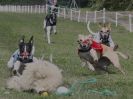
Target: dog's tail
{"x":88,"y":27}
{"x":122,"y":55}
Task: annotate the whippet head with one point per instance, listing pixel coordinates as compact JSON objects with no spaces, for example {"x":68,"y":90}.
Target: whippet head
{"x":85,"y":41}
{"x":25,"y":49}
{"x":105,"y":29}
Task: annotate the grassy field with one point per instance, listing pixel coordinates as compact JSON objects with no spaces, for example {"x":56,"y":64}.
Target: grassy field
{"x":64,"y":51}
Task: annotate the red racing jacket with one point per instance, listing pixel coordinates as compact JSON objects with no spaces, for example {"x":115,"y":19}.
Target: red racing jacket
{"x":97,"y":46}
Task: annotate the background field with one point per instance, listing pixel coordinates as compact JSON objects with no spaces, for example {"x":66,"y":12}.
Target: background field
{"x":64,"y":51}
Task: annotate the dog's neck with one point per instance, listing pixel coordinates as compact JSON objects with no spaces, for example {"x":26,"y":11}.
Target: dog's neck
{"x":84,"y":49}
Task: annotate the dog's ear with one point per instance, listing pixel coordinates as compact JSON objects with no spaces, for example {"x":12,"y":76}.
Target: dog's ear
{"x":22,"y":39}
{"x":31,"y":39}
{"x":80,"y":36}
{"x":104,"y":24}
{"x":89,"y":36}
{"x":78,"y":41}
{"x":109,"y":26}
{"x":100,"y":25}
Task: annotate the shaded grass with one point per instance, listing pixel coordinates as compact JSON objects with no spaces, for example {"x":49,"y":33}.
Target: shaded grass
{"x":64,"y":51}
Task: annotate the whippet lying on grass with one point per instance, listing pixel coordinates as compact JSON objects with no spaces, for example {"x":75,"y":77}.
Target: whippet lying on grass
{"x":90,"y":52}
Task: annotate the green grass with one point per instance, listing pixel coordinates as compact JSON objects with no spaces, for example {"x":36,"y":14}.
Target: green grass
{"x":64,"y":51}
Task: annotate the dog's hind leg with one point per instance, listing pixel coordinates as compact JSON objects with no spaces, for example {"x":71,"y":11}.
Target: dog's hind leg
{"x":54,"y":29}
{"x":113,"y":57}
{"x":103,"y":64}
{"x":48,"y":33}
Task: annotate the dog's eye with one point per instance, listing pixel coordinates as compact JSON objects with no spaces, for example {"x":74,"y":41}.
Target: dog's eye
{"x":108,"y":30}
{"x":87,"y":40}
{"x":80,"y":40}
{"x":101,"y":31}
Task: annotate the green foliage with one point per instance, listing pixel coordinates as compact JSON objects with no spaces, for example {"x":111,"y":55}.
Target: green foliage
{"x":113,"y":4}
{"x":119,"y":5}
{"x":82,"y":3}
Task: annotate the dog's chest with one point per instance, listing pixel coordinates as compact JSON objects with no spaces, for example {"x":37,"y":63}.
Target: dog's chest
{"x":86,"y":56}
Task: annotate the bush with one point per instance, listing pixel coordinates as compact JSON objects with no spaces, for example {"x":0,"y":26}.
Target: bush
{"x":82,"y":3}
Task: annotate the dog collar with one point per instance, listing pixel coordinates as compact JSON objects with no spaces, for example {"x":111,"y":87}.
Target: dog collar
{"x":84,"y":50}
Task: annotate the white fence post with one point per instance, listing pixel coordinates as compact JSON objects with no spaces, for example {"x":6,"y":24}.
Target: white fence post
{"x":86,"y":16}
{"x":46,"y":8}
{"x":5,"y":8}
{"x":130,"y":22}
{"x":0,"y":8}
{"x":64,"y":13}
{"x":31,"y":9}
{"x":95,"y":17}
{"x":116,"y":19}
{"x":28,"y":8}
{"x":35,"y":10}
{"x":15,"y":8}
{"x":39,"y":9}
{"x":79,"y":16}
{"x":58,"y":11}
{"x":71,"y":14}
{"x":104,"y":15}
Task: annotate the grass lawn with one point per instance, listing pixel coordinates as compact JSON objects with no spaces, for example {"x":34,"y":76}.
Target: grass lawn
{"x":64,"y":52}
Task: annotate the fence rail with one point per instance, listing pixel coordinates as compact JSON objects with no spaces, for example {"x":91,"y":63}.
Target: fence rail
{"x":77,"y":15}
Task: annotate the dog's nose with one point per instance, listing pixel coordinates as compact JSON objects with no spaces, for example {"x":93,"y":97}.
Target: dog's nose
{"x":84,"y":46}
{"x":105,"y":36}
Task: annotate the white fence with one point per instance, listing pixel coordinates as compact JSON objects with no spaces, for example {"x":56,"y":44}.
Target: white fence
{"x":128,"y":17}
{"x":22,"y":9}
{"x":102,"y":15}
{"x":77,"y":15}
